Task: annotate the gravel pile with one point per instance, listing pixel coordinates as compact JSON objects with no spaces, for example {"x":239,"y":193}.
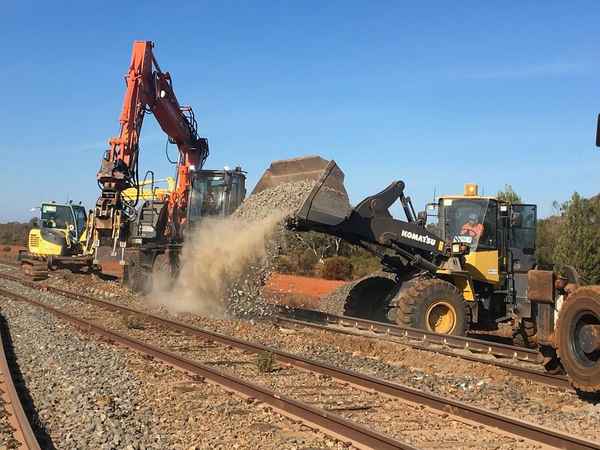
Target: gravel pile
{"x":333,"y":303}
{"x":285,"y":199}
{"x":273,"y":204}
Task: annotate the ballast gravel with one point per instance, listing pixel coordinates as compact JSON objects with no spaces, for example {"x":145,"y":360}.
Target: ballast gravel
{"x":92,"y":395}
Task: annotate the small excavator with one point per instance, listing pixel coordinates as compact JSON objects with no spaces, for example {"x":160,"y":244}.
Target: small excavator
{"x":56,"y":240}
{"x":454,"y":277}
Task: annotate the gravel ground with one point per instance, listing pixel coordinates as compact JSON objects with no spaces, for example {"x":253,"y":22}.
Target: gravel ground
{"x":478,"y":384}
{"x":93,"y":395}
{"x":7,"y":438}
{"x":411,"y":423}
{"x":473,"y":383}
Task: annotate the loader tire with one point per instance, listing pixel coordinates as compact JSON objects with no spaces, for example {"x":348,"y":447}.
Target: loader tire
{"x":369,"y":298}
{"x":582,"y":364}
{"x":430,"y":304}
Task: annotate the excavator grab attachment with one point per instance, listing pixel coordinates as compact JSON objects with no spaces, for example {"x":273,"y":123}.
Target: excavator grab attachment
{"x":290,"y":171}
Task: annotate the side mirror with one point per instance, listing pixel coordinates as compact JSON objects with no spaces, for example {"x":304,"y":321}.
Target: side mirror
{"x":598,"y":132}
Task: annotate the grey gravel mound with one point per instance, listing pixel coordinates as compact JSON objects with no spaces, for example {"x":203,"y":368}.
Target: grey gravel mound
{"x":333,"y":303}
{"x":245,"y":298}
{"x":285,"y":199}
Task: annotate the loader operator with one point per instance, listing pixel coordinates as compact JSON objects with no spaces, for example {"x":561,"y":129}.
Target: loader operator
{"x":472,"y":227}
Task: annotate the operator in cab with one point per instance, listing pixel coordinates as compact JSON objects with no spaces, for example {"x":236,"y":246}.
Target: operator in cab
{"x":472,"y":227}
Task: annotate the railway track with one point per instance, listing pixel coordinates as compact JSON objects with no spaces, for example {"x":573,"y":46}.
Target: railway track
{"x":425,"y":340}
{"x":23,"y":433}
{"x":421,"y":340}
{"x":354,"y":405}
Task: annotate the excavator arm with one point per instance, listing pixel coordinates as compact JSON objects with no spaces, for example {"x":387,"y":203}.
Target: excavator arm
{"x":149,"y":90}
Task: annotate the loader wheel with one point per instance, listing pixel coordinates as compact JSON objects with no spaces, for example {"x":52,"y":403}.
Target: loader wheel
{"x":578,"y":338}
{"x":430,"y":304}
{"x":369,"y":298}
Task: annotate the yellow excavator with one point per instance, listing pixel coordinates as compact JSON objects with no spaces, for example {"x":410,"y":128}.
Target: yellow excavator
{"x":57,"y":240}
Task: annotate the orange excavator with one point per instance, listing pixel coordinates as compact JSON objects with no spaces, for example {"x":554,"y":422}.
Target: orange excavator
{"x":132,"y":236}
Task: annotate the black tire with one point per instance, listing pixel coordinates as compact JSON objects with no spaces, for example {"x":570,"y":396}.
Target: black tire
{"x":369,"y":298}
{"x":163,"y":273}
{"x":583,"y":368}
{"x":422,"y":300}
{"x":138,"y":276}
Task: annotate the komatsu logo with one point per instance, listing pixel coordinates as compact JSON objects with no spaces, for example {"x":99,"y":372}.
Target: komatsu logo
{"x":417,"y":237}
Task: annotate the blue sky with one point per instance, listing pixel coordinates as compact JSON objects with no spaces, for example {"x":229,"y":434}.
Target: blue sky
{"x":436,"y":95}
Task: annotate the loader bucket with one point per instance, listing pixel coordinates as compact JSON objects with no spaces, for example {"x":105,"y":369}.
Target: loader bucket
{"x":291,"y":170}
{"x":327,"y":203}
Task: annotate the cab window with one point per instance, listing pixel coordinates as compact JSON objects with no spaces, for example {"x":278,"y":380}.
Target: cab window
{"x":56,"y":216}
{"x":523,"y":228}
{"x":470,"y":220}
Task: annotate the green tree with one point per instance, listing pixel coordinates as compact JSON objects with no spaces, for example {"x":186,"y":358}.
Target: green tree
{"x":508,"y":195}
{"x":578,"y":243}
{"x":548,"y":231}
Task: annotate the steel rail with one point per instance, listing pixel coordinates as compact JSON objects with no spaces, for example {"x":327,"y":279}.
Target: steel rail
{"x":558,"y":381}
{"x":507,"y":424}
{"x":335,"y":425}
{"x":458,"y":342}
{"x":17,"y":418}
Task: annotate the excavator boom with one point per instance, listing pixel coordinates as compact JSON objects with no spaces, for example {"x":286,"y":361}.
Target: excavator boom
{"x":148,"y":90}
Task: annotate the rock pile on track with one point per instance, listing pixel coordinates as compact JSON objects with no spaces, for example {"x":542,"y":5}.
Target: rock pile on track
{"x":244,"y":297}
{"x":225,"y":262}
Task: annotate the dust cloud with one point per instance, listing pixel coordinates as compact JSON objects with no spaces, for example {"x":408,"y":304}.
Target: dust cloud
{"x":221,"y":263}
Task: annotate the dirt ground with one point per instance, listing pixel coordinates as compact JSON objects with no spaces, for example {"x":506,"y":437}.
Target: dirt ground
{"x":294,"y":290}
{"x":9,"y":252}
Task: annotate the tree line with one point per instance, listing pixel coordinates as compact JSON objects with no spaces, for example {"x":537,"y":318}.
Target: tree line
{"x":569,"y":237}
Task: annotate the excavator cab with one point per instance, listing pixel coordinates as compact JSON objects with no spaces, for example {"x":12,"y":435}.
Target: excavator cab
{"x":216,"y":193}
{"x":61,"y":229}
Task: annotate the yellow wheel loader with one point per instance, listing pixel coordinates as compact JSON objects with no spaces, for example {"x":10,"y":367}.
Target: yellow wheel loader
{"x":475,"y":269}
{"x":57,"y":240}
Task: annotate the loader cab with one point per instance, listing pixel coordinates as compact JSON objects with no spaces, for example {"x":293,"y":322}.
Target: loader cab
{"x":216,"y":193}
{"x":501,"y":236}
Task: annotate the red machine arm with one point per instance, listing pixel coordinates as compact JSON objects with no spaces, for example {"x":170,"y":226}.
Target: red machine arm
{"x":149,"y":90}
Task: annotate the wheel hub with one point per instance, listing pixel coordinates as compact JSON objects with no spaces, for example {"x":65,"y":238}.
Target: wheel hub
{"x":586,"y":338}
{"x":589,"y":338}
{"x":441,"y":318}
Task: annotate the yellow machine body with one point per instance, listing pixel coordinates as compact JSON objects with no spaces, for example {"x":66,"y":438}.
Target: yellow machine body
{"x":61,"y":231}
